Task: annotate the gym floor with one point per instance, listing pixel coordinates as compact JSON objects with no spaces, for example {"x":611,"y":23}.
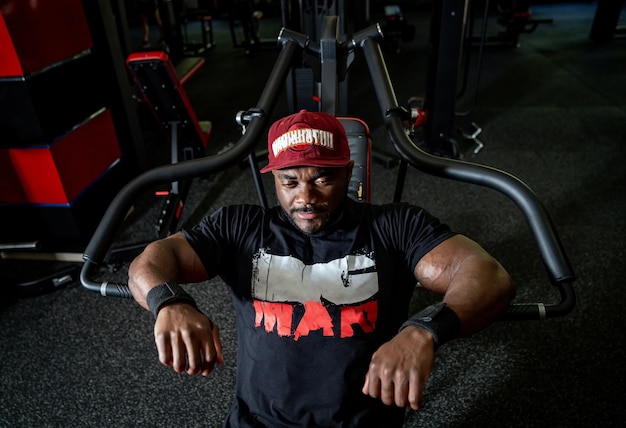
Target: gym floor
{"x":553,"y":113}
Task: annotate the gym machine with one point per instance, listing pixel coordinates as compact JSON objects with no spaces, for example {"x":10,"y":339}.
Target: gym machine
{"x":161,"y":86}
{"x":515,"y":18}
{"x":244,"y":23}
{"x":177,"y":17}
{"x":367,"y":42}
{"x":56,"y":187}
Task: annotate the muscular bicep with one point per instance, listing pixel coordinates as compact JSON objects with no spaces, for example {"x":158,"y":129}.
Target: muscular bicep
{"x":168,"y":259}
{"x":474,"y":284}
{"x":190,"y":267}
{"x":436,"y":270}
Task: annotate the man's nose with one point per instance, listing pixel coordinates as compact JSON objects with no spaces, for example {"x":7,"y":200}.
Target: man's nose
{"x":307,"y":194}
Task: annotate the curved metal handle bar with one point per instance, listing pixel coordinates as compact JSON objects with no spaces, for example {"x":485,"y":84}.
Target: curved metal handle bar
{"x":112,"y":220}
{"x":551,"y":250}
{"x":372,"y":32}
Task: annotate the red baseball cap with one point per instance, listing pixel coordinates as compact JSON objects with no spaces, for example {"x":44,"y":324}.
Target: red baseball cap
{"x":307,"y":139}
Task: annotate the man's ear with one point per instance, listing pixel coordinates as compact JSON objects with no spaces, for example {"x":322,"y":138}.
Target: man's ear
{"x":349,"y":168}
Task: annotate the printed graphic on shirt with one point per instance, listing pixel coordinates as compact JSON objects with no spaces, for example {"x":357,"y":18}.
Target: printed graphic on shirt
{"x":294,"y":299}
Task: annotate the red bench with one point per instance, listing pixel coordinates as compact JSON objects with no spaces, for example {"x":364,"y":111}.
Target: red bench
{"x":161,"y":86}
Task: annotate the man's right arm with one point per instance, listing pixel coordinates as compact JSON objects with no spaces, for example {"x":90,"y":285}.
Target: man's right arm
{"x":185,"y":338}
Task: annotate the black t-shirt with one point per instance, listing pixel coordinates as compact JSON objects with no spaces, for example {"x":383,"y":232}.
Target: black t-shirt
{"x":312,"y":308}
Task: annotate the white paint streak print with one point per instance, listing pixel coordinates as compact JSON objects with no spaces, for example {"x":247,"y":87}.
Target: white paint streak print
{"x":349,"y":280}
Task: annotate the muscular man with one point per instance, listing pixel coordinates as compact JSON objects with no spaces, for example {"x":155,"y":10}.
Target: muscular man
{"x":321,"y":286}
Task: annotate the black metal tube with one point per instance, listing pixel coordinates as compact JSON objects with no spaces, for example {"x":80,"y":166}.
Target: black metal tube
{"x":112,"y":220}
{"x":551,"y":250}
{"x":540,"y":311}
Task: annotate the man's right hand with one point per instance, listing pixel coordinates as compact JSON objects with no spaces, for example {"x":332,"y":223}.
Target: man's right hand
{"x":187,"y":340}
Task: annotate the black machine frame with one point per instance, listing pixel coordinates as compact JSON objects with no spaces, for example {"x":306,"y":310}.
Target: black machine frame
{"x":367,"y":42}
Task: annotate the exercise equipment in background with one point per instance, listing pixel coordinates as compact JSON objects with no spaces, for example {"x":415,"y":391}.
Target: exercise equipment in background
{"x":396,"y":28}
{"x":513,"y":16}
{"x":162,"y":89}
{"x":605,"y":24}
{"x":60,"y":167}
{"x":197,"y":13}
{"x":245,"y":18}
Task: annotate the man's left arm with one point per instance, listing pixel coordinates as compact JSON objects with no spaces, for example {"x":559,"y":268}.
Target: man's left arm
{"x":476,"y":291}
{"x":473,"y":283}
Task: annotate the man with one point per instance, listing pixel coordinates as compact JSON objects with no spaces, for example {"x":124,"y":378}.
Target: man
{"x":321,"y":287}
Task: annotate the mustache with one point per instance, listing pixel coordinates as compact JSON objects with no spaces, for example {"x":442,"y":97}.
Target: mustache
{"x":309,"y":208}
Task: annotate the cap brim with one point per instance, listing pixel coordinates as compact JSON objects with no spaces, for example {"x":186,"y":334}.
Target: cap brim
{"x":333,"y":164}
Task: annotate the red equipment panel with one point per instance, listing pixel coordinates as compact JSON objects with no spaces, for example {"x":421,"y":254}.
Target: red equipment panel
{"x":59,"y":172}
{"x":41,"y":33}
{"x":9,"y":62}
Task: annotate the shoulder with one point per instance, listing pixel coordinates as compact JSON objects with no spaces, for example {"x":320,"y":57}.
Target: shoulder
{"x":358,"y":211}
{"x":405,"y":221}
{"x":236,"y":211}
{"x":396,"y":211}
{"x":230,"y":217}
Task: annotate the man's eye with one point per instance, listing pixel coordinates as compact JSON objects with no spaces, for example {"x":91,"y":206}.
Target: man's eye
{"x":290,"y":184}
{"x":323,"y":181}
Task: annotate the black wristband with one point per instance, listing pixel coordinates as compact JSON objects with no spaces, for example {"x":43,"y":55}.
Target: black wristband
{"x":168,"y":292}
{"x":441,"y":321}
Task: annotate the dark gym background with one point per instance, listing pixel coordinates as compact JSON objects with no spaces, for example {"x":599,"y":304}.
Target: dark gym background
{"x":552,"y":113}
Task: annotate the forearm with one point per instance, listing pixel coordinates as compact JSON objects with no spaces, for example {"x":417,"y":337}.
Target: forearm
{"x":186,"y":339}
{"x":152,"y":267}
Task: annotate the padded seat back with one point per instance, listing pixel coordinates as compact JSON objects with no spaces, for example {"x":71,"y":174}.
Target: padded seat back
{"x":360,"y":141}
{"x":163,"y":91}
